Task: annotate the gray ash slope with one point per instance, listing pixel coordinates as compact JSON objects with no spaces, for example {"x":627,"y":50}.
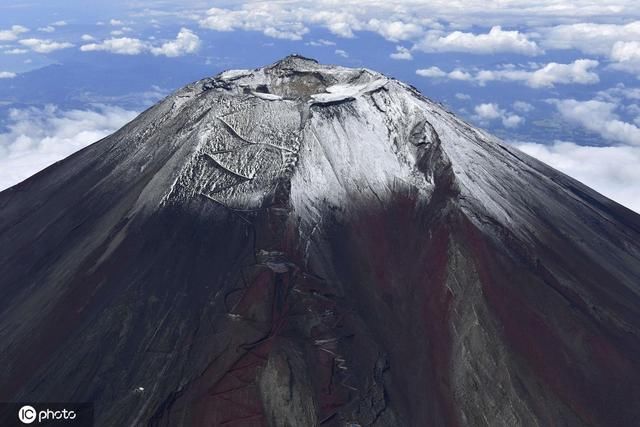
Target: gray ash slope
{"x":306,"y":245}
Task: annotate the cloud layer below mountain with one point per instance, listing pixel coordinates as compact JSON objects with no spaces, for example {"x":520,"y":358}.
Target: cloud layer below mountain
{"x":39,"y":137}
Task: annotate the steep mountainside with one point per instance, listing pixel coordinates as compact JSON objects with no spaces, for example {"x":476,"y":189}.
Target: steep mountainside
{"x":305,"y":245}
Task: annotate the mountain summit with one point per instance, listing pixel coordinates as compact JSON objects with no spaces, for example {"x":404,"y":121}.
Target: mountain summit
{"x":313,"y":245}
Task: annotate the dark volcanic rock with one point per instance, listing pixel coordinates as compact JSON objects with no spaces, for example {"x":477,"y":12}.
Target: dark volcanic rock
{"x":306,"y":245}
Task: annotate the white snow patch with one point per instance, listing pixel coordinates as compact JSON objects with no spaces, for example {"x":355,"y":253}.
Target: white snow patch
{"x":349,"y":158}
{"x":341,"y":92}
{"x":234,"y":74}
{"x":267,"y":96}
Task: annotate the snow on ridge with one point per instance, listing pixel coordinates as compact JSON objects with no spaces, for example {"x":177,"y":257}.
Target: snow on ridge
{"x":340,"y":92}
{"x":267,"y":96}
{"x":234,"y":74}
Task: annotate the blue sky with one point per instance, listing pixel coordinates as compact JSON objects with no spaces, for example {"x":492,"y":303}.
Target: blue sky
{"x":558,"y":79}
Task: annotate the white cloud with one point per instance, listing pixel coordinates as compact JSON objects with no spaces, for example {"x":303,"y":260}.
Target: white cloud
{"x":13,"y":33}
{"x":292,"y":21}
{"x":591,"y":38}
{"x":395,"y":30}
{"x":633,"y":109}
{"x":59,"y":23}
{"x":496,"y":40}
{"x":618,"y":43}
{"x":36,"y":138}
{"x":87,"y":38}
{"x":402,"y":53}
{"x":120,"y":46}
{"x":341,"y":53}
{"x":7,"y":75}
{"x":627,"y":56}
{"x":620,"y":91}
{"x":459,"y":74}
{"x":44,"y":46}
{"x":491,"y":111}
{"x":626,"y":51}
{"x":342,"y":24}
{"x":295,"y":32}
{"x":271,"y":20}
{"x":462,"y":96}
{"x":523,"y":107}
{"x":599,"y":117}
{"x":186,"y":42}
{"x":116,"y":22}
{"x":16,"y":51}
{"x":47,"y":29}
{"x":432,"y":72}
{"x":612,"y":171}
{"x":577,"y":72}
{"x":321,"y":42}
{"x":224,"y":20}
{"x":512,"y":121}
{"x":411,"y":19}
